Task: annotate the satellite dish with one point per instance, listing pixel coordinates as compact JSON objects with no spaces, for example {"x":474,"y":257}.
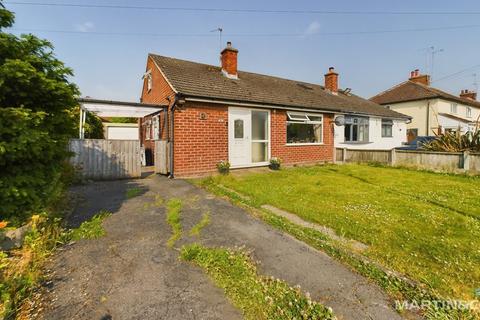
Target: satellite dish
{"x":340,"y":121}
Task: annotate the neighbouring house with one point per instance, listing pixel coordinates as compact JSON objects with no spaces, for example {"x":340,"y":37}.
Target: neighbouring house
{"x":433,"y":111}
{"x":120,"y":131}
{"x":221,"y":113}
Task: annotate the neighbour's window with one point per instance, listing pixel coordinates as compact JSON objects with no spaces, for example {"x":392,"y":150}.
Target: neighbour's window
{"x":387,"y":125}
{"x":469,"y":112}
{"x":453,"y":108}
{"x":238,"y":129}
{"x":356,"y":129}
{"x":304,"y":128}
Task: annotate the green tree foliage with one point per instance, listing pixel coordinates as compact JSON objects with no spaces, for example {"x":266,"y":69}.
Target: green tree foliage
{"x":36,"y":102}
{"x":455,"y":142}
{"x":93,"y":124}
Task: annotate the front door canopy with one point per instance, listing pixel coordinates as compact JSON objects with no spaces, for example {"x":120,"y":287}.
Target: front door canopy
{"x":112,"y":109}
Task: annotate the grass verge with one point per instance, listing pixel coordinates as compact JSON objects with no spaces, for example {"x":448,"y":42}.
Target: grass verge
{"x":196,"y":229}
{"x":174,"y":208}
{"x":258,"y":297}
{"x":398,"y":287}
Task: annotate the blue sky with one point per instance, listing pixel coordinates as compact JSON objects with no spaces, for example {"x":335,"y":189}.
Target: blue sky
{"x":111,"y":66}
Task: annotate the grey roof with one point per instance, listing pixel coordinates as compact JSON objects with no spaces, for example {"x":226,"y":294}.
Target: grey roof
{"x":413,"y":91}
{"x":206,"y":81}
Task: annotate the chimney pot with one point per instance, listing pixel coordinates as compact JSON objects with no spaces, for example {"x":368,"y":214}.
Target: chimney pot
{"x":228,"y":59}
{"x":331,"y":80}
{"x":415,"y":76}
{"x":467,"y":94}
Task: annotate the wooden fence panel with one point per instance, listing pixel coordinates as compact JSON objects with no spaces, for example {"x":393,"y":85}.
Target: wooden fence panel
{"x":101,"y":159}
{"x":381,"y":156}
{"x":162,"y":156}
{"x":430,"y":160}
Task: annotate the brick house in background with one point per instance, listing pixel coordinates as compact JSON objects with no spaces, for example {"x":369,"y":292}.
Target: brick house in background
{"x":221,"y":113}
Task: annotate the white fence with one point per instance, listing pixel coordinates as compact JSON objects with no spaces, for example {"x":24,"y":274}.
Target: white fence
{"x":441,"y":161}
{"x":100,"y":159}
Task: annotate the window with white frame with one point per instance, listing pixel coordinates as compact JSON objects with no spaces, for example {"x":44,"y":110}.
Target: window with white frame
{"x":148,"y":130}
{"x":453,"y":107}
{"x":387,"y":125}
{"x":156,"y":128}
{"x":304,"y":128}
{"x":469,"y":112}
{"x":356,"y":129}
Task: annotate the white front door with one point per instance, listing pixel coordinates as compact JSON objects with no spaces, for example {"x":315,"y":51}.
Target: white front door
{"x":239,"y":140}
{"x":248,"y":137}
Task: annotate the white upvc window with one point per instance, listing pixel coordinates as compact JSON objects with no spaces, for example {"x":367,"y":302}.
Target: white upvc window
{"x":156,"y":128}
{"x":469,"y":112}
{"x":148,"y":130}
{"x":304,"y":128}
{"x":453,"y":107}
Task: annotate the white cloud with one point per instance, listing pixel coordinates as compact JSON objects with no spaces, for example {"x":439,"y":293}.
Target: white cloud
{"x":85,"y":27}
{"x":312,"y":28}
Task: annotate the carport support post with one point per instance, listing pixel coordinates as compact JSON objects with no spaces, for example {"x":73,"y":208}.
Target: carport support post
{"x":81,"y":126}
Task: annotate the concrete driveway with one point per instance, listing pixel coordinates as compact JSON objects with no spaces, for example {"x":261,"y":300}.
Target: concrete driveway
{"x":131,"y":273}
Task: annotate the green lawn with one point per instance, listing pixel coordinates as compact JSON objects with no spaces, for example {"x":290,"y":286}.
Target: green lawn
{"x":422,"y":224}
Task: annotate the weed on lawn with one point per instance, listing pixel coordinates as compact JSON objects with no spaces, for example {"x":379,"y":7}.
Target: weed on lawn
{"x":195,"y":231}
{"x":258,"y":297}
{"x":133,"y":192}
{"x":174,"y":208}
{"x":91,"y":229}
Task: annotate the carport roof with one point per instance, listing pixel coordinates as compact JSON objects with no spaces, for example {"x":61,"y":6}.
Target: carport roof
{"x":108,"y":108}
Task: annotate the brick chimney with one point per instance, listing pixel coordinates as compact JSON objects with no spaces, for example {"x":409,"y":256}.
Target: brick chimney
{"x":415,"y":76}
{"x":331,"y":80}
{"x":472,"y":95}
{"x":228,"y":58}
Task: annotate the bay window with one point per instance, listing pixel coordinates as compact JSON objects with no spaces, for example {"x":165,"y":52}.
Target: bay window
{"x":304,"y":128}
{"x":356,"y":129}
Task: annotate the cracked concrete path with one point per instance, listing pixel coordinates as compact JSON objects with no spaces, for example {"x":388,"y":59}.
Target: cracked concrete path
{"x":131,"y":274}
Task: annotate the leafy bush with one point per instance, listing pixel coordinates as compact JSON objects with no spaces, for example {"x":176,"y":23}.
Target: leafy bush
{"x":275,"y":163}
{"x":223,"y":167}
{"x":93,"y":124}
{"x":455,"y":142}
{"x":36,"y":100}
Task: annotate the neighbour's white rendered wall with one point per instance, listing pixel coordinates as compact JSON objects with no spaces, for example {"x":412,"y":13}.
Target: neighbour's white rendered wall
{"x":418,"y":111}
{"x":376,"y":141}
{"x":415,"y":109}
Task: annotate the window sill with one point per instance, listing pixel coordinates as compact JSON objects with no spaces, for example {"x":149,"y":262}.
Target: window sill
{"x":304,"y":144}
{"x":356,"y":142}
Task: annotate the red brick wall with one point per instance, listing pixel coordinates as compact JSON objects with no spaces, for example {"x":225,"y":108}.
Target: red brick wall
{"x":300,"y":154}
{"x":159,"y":94}
{"x":200,"y":144}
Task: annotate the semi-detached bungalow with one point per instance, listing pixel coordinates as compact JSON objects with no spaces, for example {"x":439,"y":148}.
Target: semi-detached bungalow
{"x":221,"y":113}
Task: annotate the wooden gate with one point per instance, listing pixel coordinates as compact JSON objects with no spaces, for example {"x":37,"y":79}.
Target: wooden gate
{"x":162,"y":156}
{"x":100,"y":159}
